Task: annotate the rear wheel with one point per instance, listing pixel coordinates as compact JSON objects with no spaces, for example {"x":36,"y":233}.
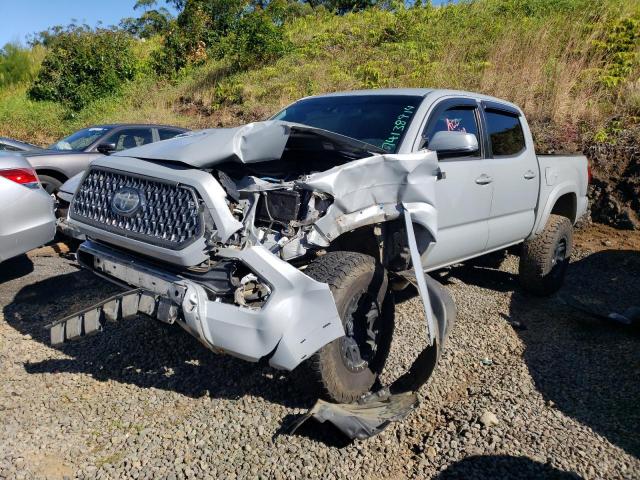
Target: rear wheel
{"x":544,"y":259}
{"x":348,"y":367}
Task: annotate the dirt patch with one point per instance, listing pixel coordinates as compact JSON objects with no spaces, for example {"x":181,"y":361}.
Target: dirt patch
{"x":615,"y":189}
{"x":48,"y":466}
{"x":51,"y":250}
{"x":598,"y":237}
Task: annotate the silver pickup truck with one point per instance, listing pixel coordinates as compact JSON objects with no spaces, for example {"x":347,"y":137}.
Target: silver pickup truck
{"x":283,"y":240}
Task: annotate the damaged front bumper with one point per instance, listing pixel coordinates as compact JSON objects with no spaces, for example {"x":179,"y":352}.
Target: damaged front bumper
{"x":69,"y":230}
{"x":298,"y":318}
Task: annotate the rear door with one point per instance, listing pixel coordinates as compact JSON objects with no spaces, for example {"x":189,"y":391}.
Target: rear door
{"x":514,"y":170}
{"x":464,"y":193}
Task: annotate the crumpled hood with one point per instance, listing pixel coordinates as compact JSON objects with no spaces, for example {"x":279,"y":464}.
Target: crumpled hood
{"x":251,"y":143}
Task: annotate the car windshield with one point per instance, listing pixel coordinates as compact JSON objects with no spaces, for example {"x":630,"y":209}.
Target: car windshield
{"x":77,"y":142}
{"x":379,"y":120}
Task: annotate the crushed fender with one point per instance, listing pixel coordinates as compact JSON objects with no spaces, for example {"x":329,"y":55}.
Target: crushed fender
{"x":376,"y":411}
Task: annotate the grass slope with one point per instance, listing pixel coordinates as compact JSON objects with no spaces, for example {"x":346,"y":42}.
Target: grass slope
{"x":560,"y":60}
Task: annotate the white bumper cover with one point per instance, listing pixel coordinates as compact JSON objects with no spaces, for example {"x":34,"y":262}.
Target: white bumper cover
{"x":299,"y":317}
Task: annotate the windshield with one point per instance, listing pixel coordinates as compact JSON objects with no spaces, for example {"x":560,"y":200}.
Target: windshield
{"x":80,"y":140}
{"x":379,"y":120}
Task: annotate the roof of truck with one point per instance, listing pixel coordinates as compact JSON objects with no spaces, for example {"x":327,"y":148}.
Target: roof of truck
{"x":418,"y":92}
{"x":114,"y":125}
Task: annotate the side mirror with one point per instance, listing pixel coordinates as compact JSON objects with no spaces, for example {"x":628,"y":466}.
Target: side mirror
{"x":106,"y":148}
{"x":453,"y":143}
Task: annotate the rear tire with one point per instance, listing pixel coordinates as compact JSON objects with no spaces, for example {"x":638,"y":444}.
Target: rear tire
{"x":544,"y":259}
{"x":50,"y":184}
{"x":348,"y":367}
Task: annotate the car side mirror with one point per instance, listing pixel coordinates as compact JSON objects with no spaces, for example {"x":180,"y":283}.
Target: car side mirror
{"x":449,"y":144}
{"x":106,"y":148}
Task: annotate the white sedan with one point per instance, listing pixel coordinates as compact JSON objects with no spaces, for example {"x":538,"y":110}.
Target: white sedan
{"x":26,"y":210}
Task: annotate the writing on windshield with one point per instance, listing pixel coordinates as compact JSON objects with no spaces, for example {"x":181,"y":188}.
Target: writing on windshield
{"x":364,"y":117}
{"x":399,"y":125}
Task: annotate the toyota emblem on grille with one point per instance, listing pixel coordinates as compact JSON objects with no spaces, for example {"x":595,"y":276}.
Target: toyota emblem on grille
{"x":126,"y":201}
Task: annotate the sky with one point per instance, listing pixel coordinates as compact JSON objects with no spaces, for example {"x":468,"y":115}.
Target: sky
{"x":21,"y":17}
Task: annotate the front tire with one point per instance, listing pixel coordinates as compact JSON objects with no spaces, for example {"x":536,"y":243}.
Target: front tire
{"x":545,"y":258}
{"x":348,"y":367}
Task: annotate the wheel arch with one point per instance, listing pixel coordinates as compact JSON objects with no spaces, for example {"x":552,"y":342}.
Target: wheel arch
{"x":58,"y":175}
{"x":562,"y":200}
{"x":566,"y":206}
{"x":384,"y":241}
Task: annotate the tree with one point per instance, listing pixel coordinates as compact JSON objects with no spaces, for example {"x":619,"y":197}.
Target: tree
{"x":152,"y":21}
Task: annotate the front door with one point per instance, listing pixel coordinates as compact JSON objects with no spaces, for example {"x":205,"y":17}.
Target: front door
{"x":463,"y":195}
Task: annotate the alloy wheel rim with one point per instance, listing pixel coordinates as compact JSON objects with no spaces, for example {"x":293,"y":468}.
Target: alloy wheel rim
{"x":359,"y":345}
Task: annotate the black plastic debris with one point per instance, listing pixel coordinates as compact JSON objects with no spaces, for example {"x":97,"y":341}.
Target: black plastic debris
{"x":89,"y":321}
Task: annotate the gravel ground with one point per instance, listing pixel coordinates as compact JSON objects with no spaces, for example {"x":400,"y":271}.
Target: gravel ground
{"x":527,"y":387}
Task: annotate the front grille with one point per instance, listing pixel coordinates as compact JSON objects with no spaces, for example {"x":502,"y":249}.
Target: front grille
{"x":168,"y":214}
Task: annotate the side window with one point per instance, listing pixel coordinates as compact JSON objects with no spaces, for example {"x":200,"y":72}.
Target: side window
{"x":505,"y":133}
{"x":130,"y":138}
{"x":167,"y":133}
{"x":8,"y":148}
{"x":455,"y":119}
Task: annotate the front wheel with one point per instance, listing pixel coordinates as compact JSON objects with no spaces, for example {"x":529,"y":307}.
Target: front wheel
{"x":348,"y":367}
{"x":544,"y":259}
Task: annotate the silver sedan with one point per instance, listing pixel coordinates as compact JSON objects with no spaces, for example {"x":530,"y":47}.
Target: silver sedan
{"x":26,"y":210}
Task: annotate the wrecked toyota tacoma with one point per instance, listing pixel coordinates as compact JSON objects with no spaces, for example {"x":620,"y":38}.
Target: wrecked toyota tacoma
{"x":282,"y":241}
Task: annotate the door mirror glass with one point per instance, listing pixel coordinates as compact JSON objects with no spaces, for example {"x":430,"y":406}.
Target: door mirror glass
{"x":106,"y":148}
{"x":453,"y":143}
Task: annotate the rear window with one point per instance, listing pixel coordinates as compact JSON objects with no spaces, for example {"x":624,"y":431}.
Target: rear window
{"x":505,"y":133}
{"x":379,"y":120}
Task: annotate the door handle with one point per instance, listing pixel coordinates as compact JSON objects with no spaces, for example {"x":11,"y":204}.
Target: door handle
{"x":529,"y":174}
{"x":484,"y":179}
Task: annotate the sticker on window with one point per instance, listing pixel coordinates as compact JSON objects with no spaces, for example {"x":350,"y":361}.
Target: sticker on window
{"x":453,"y":125}
{"x":391,"y":142}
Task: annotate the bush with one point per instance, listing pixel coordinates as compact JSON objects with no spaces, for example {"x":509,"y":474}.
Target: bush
{"x":255,"y":40}
{"x":19,"y":64}
{"x":81,"y":66}
{"x":620,"y":49}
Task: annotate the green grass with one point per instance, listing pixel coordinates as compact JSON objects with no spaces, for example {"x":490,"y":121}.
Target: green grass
{"x":112,"y":459}
{"x":571,"y":66}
